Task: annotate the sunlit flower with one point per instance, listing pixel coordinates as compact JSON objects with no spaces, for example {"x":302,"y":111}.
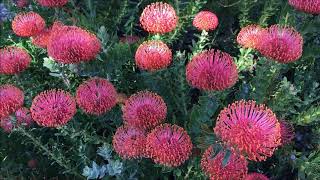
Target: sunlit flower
{"x":41,"y":40}
{"x":52,"y":3}
{"x":13,"y":60}
{"x":307,"y":6}
{"x":6,"y":124}
{"x":287,"y":132}
{"x":256,"y":176}
{"x":205,"y":20}
{"x":11,"y":98}
{"x":159,"y":17}
{"x":28,"y":24}
{"x":212,"y":70}
{"x":23,"y":117}
{"x":250,"y":36}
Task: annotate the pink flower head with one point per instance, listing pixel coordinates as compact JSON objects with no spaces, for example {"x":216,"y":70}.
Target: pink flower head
{"x":250,"y":36}
{"x":287,"y":132}
{"x":6,"y":124}
{"x":23,"y":117}
{"x":205,"y":20}
{"x":153,"y":55}
{"x":169,"y":145}
{"x":281,"y":44}
{"x":41,"y":40}
{"x":144,"y":110}
{"x":129,"y":39}
{"x":52,"y":3}
{"x":13,"y":60}
{"x":256,"y":176}
{"x":159,"y":17}
{"x":129,"y":142}
{"x":11,"y":98}
{"x":212,"y":70}
{"x":307,"y":6}
{"x":71,"y":44}
{"x":250,"y":128}
{"x":28,"y":24}
{"x":96,"y":96}
{"x":236,"y":167}
{"x":21,"y":3}
{"x":53,"y":108}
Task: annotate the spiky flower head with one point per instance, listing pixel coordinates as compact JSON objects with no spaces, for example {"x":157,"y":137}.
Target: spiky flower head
{"x":53,"y":108}
{"x":250,"y":128}
{"x":153,"y":55}
{"x":159,"y":17}
{"x":11,"y":98}
{"x":41,"y":40}
{"x":28,"y":24}
{"x":205,"y":20}
{"x":13,"y":60}
{"x":23,"y":117}
{"x":256,"y":176}
{"x":287,"y":132}
{"x":282,"y":44}
{"x":307,"y":6}
{"x":6,"y":124}
{"x":212,"y":165}
{"x":129,"y":142}
{"x":250,"y":36}
{"x":168,"y":145}
{"x":96,"y":96}
{"x":212,"y":70}
{"x":144,"y":110}
{"x":52,"y":3}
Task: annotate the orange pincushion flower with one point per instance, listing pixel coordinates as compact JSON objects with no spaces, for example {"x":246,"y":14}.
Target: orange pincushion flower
{"x":52,"y":3}
{"x":41,"y":40}
{"x":250,"y":36}
{"x":169,"y":145}
{"x":159,"y":17}
{"x":287,"y":132}
{"x":11,"y":98}
{"x":205,"y":20}
{"x":236,"y":167}
{"x":250,"y":128}
{"x":256,"y":176}
{"x":28,"y":24}
{"x":307,"y":6}
{"x":13,"y":60}
{"x":212,"y":70}
{"x":153,"y":55}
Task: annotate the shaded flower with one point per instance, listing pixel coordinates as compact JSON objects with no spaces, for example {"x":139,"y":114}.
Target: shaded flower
{"x":153,"y":55}
{"x":23,"y":117}
{"x":282,"y":44}
{"x":41,"y":40}
{"x":53,"y":108}
{"x":307,"y":6}
{"x":13,"y":60}
{"x":28,"y":24}
{"x":205,"y":20}
{"x":287,"y":132}
{"x":159,"y":17}
{"x":6,"y":124}
{"x":32,"y":163}
{"x":250,"y":36}
{"x":212,"y":70}
{"x":52,"y":3}
{"x":250,"y":128}
{"x":11,"y":98}
{"x":129,"y":39}
{"x":96,"y":96}
{"x":5,"y":14}
{"x":144,"y":110}
{"x":129,"y":142}
{"x":168,"y":145}
{"x":21,"y":3}
{"x":212,"y":165}
{"x":256,"y":176}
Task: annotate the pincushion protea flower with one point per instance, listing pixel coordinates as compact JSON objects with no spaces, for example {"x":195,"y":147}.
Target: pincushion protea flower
{"x":282,"y":44}
{"x":21,"y":3}
{"x":52,"y":3}
{"x":212,"y":165}
{"x":144,"y":110}
{"x":28,"y":24}
{"x":11,"y":98}
{"x":13,"y":60}
{"x":307,"y":6}
{"x":71,"y":44}
{"x":250,"y":36}
{"x":287,"y":132}
{"x":212,"y":70}
{"x":96,"y":96}
{"x":129,"y":142}
{"x":53,"y":108}
{"x":23,"y":117}
{"x":256,"y":176}
{"x":41,"y":40}
{"x":159,"y":17}
{"x":153,"y":55}
{"x":6,"y":124}
{"x":129,"y":39}
{"x":169,"y":145}
{"x":205,"y":20}
{"x":250,"y":128}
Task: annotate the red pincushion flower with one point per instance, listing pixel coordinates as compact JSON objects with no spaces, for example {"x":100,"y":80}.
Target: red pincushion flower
{"x":71,"y":44}
{"x":205,"y":20}
{"x":250,"y":128}
{"x":6,"y":124}
{"x":129,"y":39}
{"x":212,"y":70}
{"x":13,"y":60}
{"x":153,"y":55}
{"x":129,"y":142}
{"x":236,"y":167}
{"x":256,"y":176}
{"x":307,"y":6}
{"x":144,"y":110}
{"x":23,"y":117}
{"x":41,"y":40}
{"x":52,"y":3}
{"x":159,"y":17}
{"x":281,"y":44}
{"x":96,"y":96}
{"x":28,"y":24}
{"x":11,"y":98}
{"x":287,"y":132}
{"x":169,"y":145}
{"x":250,"y":36}
{"x":53,"y":108}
